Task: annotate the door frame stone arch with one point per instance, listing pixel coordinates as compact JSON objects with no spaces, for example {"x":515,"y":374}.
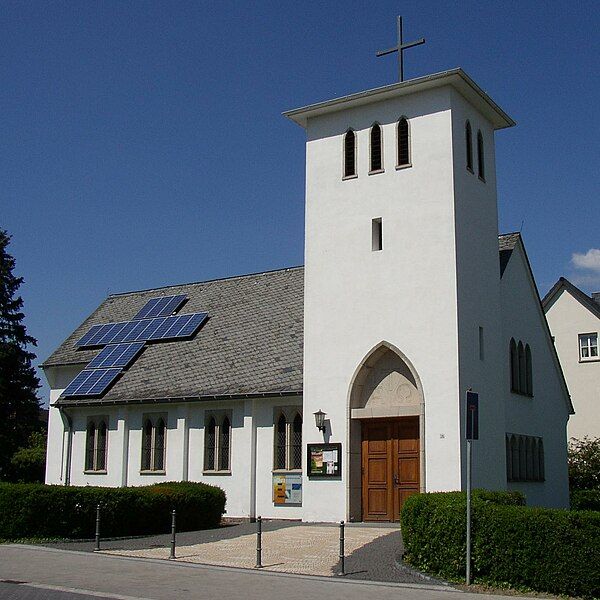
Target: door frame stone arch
{"x":355,"y":418}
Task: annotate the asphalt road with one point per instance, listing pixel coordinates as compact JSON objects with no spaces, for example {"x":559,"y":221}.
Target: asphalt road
{"x":39,"y":573}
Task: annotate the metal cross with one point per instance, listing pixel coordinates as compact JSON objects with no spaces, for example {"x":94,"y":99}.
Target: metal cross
{"x":400,"y":48}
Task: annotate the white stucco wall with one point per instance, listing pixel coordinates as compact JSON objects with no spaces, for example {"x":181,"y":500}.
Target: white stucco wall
{"x":546,"y":413}
{"x":405,"y":294}
{"x":478,"y":294}
{"x":568,"y":318}
{"x":248,"y":495}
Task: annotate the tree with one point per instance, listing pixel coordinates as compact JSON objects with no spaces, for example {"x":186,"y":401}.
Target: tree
{"x":584,"y":464}
{"x":28,"y":465}
{"x":19,"y":405}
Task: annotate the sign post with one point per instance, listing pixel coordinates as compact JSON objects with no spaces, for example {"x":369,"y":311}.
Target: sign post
{"x":472,"y":433}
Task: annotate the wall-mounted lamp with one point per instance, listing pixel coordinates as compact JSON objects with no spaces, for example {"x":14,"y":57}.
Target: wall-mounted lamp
{"x":320,"y":420}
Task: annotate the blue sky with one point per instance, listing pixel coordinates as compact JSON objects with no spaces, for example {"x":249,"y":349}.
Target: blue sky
{"x":142,"y":143}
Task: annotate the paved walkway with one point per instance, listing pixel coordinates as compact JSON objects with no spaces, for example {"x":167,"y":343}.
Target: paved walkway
{"x":372,"y":551}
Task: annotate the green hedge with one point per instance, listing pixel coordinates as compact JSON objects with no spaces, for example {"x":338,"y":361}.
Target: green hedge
{"x":48,"y":511}
{"x":585,"y":500}
{"x":556,"y":551}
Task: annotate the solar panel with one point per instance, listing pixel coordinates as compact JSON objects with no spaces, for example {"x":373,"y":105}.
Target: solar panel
{"x":123,"y":334}
{"x":193,"y":324}
{"x":160,"y":307}
{"x":119,"y":355}
{"x":83,"y":341}
{"x":91,"y":382}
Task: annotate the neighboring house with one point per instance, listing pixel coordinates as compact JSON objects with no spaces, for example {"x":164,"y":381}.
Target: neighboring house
{"x":336,"y":390}
{"x":574,"y":320}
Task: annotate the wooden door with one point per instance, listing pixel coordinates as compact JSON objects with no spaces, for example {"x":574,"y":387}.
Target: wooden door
{"x":390,"y":466}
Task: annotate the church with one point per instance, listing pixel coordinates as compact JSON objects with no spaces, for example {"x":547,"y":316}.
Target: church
{"x":335,"y":390}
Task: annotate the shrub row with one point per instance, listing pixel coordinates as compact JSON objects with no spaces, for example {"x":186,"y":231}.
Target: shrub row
{"x":585,"y":500}
{"x":556,"y":551}
{"x":45,"y":511}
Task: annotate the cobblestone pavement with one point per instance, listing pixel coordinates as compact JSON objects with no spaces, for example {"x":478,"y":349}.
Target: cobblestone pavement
{"x":306,"y":549}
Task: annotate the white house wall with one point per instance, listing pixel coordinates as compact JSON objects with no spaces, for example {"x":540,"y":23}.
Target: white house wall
{"x":568,"y":318}
{"x":546,"y":413}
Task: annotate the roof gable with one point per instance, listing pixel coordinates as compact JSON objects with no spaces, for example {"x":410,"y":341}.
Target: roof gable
{"x":588,"y":302}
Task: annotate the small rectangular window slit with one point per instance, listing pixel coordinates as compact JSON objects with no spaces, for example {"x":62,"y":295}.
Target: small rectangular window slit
{"x":376,"y":235}
{"x":481,"y":355}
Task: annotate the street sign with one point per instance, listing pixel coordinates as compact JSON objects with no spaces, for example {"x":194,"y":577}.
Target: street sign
{"x":472,"y":416}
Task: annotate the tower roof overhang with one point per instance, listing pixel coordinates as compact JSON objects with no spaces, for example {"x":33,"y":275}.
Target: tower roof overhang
{"x":456,"y":78}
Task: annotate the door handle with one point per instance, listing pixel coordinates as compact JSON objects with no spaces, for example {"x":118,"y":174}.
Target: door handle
{"x":396,"y":480}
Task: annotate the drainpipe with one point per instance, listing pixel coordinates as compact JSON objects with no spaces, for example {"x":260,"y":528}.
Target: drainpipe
{"x":69,"y":420}
{"x":253,"y":432}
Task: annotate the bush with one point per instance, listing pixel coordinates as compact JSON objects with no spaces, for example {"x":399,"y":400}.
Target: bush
{"x":28,"y":464}
{"x":548,"y":550}
{"x":585,"y":500}
{"x":584,"y":464}
{"x":48,"y":511}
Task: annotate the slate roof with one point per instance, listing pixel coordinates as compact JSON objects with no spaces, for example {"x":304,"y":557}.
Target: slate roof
{"x":250,"y":345}
{"x":589,"y":302}
{"x":507,"y":243}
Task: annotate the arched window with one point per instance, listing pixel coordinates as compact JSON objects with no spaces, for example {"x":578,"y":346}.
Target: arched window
{"x":159,"y":446}
{"x":376,"y":149}
{"x":224,"y":435}
{"x":508,"y":450}
{"x":147,"y":446}
{"x":90,"y":446}
{"x":522,"y":459}
{"x":541,"y":459}
{"x":522,"y":372}
{"x":281,"y":443}
{"x":469,"y":146}
{"x":297,"y":442}
{"x":403,"y":143}
{"x":154,"y":444}
{"x":536,"y":459}
{"x":514,"y":366}
{"x":101,"y":447}
{"x":210,"y":445}
{"x":529,"y":457}
{"x":480,"y":157}
{"x":350,"y":154}
{"x":528,"y":372}
{"x":288,"y":441}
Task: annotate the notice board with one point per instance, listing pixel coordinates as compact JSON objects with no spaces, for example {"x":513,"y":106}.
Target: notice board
{"x":324,"y":460}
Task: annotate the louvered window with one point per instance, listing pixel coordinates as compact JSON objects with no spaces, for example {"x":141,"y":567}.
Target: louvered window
{"x":376,"y":160}
{"x":403,"y":140}
{"x":469,"y":146}
{"x":350,"y":154}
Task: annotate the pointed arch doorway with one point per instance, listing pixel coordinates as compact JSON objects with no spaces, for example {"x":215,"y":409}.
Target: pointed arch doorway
{"x":386,"y":436}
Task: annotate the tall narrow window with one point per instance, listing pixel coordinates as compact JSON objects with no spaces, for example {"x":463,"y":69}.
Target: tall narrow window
{"x":281,"y":443}
{"x":528,"y":371}
{"x":288,"y":442}
{"x":154,"y":444}
{"x":514,"y":366}
{"x":522,"y":372}
{"x":90,"y":446}
{"x":350,"y":154}
{"x":480,"y":156}
{"x":403,"y":140}
{"x":224,"y":435}
{"x":481,"y":353}
{"x":210,"y":445}
{"x":297,"y":443}
{"x":376,"y":235}
{"x":101,"y":447}
{"x":469,"y":146}
{"x":376,"y":150}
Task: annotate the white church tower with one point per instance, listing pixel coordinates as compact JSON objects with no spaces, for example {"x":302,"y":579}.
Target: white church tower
{"x":402,"y":292}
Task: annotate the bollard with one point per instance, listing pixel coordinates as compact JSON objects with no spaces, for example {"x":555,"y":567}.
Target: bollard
{"x":173,"y":530}
{"x":97,"y":546}
{"x":342,"y":565}
{"x":258,"y":543}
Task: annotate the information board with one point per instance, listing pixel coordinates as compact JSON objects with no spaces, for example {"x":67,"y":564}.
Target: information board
{"x":324,"y":460}
{"x":287,"y":488}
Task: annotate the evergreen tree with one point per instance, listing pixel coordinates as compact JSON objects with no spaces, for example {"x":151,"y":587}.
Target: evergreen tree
{"x":19,"y":405}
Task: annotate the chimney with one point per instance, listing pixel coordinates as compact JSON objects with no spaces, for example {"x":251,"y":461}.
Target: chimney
{"x":596,"y":297}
